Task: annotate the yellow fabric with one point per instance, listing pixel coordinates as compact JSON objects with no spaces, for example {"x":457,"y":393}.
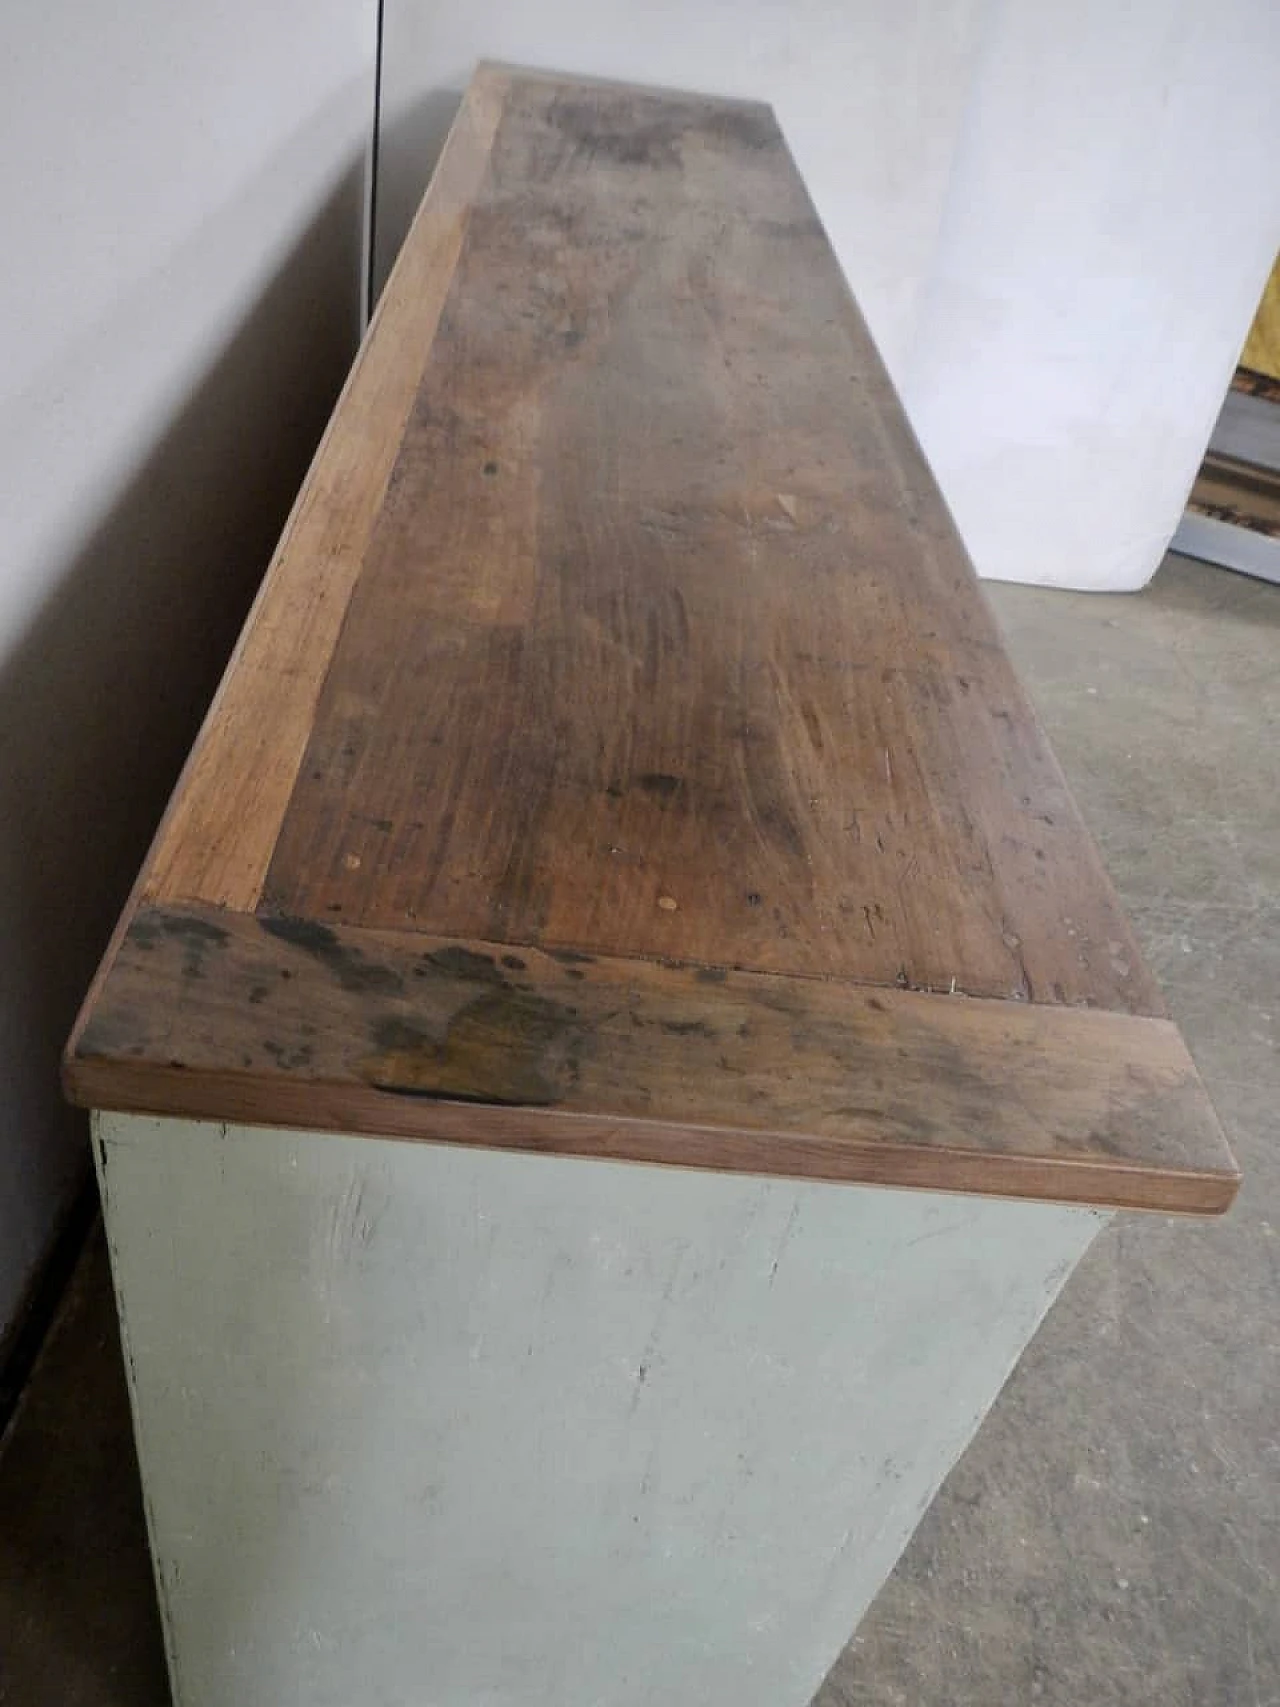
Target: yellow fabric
{"x":1262,"y":347}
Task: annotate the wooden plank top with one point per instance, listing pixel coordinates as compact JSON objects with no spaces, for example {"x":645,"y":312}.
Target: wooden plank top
{"x":620,"y":757}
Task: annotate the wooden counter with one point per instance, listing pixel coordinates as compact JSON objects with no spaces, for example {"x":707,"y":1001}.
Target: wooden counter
{"x":620,"y":760}
{"x":621,"y":737}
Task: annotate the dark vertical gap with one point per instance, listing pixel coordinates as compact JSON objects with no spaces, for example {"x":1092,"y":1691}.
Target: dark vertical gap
{"x":20,"y":1346}
{"x":373,"y":164}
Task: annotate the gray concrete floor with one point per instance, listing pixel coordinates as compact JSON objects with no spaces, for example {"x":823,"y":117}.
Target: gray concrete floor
{"x":1113,"y":1534}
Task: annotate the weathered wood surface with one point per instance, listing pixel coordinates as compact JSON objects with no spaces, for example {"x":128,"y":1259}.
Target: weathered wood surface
{"x":288,"y":1021}
{"x":620,"y":616}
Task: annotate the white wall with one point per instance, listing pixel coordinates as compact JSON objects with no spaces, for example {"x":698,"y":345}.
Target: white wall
{"x":1057,"y":216}
{"x":1115,"y":210}
{"x":182,"y":192}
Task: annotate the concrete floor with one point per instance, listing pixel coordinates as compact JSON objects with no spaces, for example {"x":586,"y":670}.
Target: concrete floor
{"x":1113,"y":1535}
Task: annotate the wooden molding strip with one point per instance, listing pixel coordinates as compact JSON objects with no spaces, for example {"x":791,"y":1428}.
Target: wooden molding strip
{"x":219,"y":833}
{"x":286,"y":1022}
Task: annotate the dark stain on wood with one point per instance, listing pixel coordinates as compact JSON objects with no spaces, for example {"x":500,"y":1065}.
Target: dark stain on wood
{"x":652,"y":143}
{"x":495,"y":1049}
{"x":196,"y":936}
{"x":666,"y":787}
{"x":758,"y":1072}
{"x":458,"y":962}
{"x":347,"y":964}
{"x":687,"y":1028}
{"x":194,"y":933}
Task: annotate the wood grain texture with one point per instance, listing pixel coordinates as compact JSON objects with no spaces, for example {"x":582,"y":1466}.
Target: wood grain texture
{"x":664,"y":602}
{"x":289,"y":1022}
{"x":621,"y":618}
{"x":221,"y":828}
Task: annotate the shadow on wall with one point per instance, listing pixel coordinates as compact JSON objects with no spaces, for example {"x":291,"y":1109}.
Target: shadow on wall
{"x":417,"y":134}
{"x":102,"y":698}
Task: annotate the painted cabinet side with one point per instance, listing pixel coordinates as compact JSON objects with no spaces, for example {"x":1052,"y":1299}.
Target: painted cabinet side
{"x":460,"y":1426}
